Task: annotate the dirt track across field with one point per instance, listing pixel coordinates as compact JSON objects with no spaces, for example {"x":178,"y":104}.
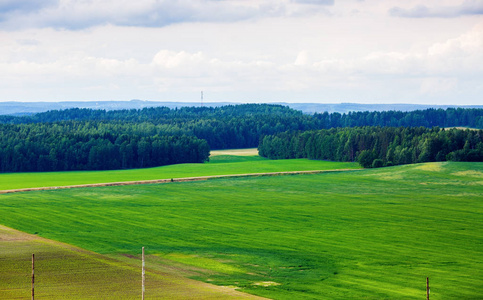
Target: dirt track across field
{"x":199,"y":178}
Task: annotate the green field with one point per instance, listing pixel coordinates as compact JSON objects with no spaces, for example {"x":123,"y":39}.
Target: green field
{"x":371,"y":234}
{"x":218,"y":165}
{"x":67,"y":272}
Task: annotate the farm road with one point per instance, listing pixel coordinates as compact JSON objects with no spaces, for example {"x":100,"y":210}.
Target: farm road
{"x":185,"y":179}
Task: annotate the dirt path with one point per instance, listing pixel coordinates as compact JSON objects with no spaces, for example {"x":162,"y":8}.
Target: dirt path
{"x":199,"y":178}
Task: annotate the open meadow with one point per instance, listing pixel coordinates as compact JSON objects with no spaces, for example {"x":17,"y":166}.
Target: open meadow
{"x":371,"y":234}
{"x":224,"y":162}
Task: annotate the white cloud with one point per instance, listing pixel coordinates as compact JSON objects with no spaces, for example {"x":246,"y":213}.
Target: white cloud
{"x":436,"y":71}
{"x":437,"y":86}
{"x":460,"y":55}
{"x":7,"y":6}
{"x":170,"y":59}
{"x":75,"y":14}
{"x":468,"y":7}
{"x":468,"y":44}
{"x":268,"y":50}
{"x":318,"y":2}
{"x":193,"y":71}
{"x":302,"y":58}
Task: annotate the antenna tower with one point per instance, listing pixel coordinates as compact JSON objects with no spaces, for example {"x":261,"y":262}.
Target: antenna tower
{"x":201,"y":98}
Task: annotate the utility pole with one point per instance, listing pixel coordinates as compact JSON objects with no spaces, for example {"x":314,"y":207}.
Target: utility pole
{"x":144,"y":274}
{"x":33,"y":275}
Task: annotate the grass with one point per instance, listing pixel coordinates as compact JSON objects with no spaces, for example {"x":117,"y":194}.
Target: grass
{"x":372,"y":234}
{"x":220,"y":164}
{"x":66,"y":272}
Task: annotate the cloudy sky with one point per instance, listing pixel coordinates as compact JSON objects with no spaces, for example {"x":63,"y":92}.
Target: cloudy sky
{"x":325,"y":51}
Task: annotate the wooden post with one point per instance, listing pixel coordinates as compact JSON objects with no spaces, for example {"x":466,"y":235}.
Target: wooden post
{"x":427,"y":288}
{"x":33,"y":275}
{"x":143,"y":273}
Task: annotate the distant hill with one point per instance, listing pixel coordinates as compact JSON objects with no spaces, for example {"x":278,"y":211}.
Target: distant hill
{"x":347,"y":107}
{"x":28,"y":108}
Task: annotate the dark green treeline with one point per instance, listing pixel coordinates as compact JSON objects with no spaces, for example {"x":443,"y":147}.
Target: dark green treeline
{"x":429,"y":118}
{"x":241,"y":126}
{"x":85,"y":139}
{"x":226,"y":127}
{"x":273,"y":115}
{"x":81,"y":139}
{"x":93,"y":146}
{"x":377,"y":146}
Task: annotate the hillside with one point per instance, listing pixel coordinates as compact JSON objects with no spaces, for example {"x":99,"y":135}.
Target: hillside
{"x":375,"y":233}
{"x":218,"y":165}
{"x":27,"y":108}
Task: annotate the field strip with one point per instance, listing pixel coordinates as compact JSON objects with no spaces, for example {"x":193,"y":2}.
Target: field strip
{"x":237,"y":152}
{"x":184,"y":179}
{"x":16,"y":248}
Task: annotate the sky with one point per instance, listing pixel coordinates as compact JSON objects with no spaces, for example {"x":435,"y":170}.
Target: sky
{"x":249,"y":51}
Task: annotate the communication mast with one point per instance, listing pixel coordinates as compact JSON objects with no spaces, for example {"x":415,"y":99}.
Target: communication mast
{"x":201,"y":98}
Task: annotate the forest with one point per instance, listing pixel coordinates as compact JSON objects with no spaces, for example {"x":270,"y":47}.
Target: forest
{"x":377,"y":146}
{"x":93,"y":146}
{"x":87,"y":139}
{"x":467,"y":117}
{"x":232,"y":126}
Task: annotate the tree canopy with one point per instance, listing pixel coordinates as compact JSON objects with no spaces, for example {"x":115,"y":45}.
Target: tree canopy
{"x":94,"y":146}
{"x":377,"y":146}
{"x":79,"y":139}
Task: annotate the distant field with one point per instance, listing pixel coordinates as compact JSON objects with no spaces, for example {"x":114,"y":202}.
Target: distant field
{"x":372,"y":234}
{"x":220,"y":164}
{"x":462,"y":128}
{"x":238,"y":152}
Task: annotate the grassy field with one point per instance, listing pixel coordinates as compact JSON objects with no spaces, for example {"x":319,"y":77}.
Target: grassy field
{"x":67,"y":272}
{"x":220,"y":164}
{"x":372,"y":234}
